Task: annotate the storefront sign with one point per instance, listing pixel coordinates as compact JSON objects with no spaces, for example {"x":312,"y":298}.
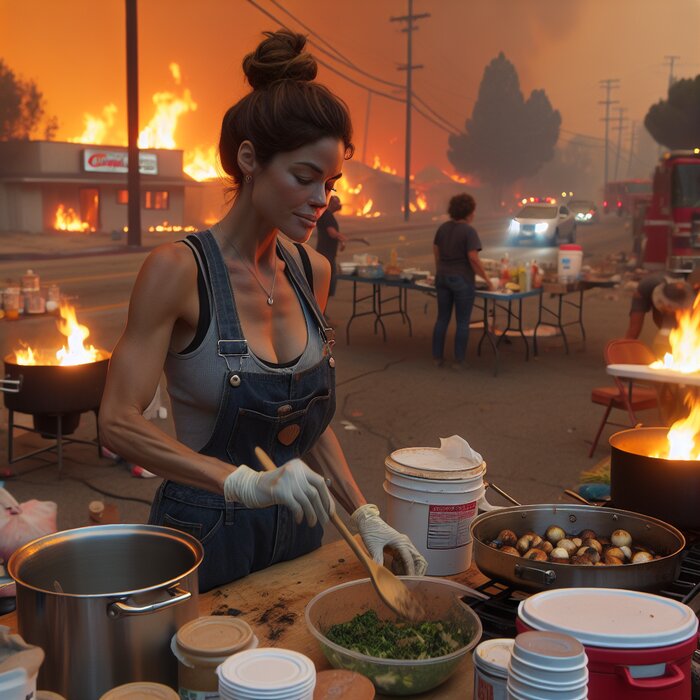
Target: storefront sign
{"x":100,"y":161}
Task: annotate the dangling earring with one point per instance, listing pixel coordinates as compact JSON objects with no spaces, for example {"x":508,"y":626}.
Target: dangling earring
{"x":248,"y":179}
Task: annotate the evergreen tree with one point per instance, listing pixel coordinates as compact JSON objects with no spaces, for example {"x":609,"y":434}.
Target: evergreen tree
{"x":22,"y":108}
{"x":675,"y":122}
{"x":507,"y":137}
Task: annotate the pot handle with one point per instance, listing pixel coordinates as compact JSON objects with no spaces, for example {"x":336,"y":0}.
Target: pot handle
{"x":119,"y":608}
{"x":676,"y":678}
{"x":11,"y":386}
{"x":546,"y":577}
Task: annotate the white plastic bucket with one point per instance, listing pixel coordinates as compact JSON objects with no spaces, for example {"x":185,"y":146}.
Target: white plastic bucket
{"x":15,"y":685}
{"x":569,"y":263}
{"x":435,"y":508}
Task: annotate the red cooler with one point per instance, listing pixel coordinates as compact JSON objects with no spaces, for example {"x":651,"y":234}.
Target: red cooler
{"x":638,"y":645}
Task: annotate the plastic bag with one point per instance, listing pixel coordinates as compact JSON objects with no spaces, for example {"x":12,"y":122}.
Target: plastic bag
{"x":22,"y":523}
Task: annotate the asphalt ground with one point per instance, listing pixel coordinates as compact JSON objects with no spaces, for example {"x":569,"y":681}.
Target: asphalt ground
{"x":532,"y":423}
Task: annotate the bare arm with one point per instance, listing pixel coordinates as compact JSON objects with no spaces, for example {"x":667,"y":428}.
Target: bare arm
{"x":475,"y":262}
{"x":334,"y":233}
{"x":327,"y":457}
{"x":157,"y":302}
{"x":636,"y":324}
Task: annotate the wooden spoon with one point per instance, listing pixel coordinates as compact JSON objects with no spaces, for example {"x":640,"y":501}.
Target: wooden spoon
{"x":391,"y":589}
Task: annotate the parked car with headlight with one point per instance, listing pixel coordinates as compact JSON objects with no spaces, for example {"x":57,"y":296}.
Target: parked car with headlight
{"x":547,"y":224}
{"x":584,"y":211}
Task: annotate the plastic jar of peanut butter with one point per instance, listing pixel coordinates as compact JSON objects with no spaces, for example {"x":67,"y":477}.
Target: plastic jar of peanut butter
{"x":203,"y":644}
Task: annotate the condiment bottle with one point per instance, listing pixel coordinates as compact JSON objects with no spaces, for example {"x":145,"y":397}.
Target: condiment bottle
{"x":10,"y":302}
{"x":203,"y":644}
{"x":30,"y":282}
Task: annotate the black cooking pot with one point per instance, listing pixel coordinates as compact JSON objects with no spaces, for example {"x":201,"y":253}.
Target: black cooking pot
{"x":663,"y":488}
{"x":53,"y":389}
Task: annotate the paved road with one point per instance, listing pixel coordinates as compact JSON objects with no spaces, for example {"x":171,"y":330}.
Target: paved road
{"x":530,"y":422}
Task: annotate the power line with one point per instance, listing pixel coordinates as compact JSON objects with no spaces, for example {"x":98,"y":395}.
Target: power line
{"x":619,"y":128}
{"x":670,"y":61}
{"x":338,"y":55}
{"x":609,"y":84}
{"x":451,"y":126}
{"x":409,"y":68}
{"x":327,"y":65}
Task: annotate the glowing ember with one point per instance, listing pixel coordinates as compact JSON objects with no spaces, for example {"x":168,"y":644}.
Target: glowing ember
{"x":166,"y":227}
{"x":66,"y":219}
{"x":685,"y":343}
{"x":76,"y":352}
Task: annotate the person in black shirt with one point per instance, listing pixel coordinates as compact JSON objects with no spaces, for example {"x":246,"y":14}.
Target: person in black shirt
{"x":456,"y":248}
{"x":330,"y":238}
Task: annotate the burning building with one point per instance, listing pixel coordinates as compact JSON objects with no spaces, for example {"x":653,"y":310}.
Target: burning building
{"x":52,"y":185}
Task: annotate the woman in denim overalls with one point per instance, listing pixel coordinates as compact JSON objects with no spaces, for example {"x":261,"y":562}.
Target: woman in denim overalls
{"x":233,"y":316}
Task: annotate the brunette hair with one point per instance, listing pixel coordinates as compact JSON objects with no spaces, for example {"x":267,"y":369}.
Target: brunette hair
{"x":461,"y":206}
{"x":286,"y":108}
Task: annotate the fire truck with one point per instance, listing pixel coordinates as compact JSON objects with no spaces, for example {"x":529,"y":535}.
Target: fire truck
{"x":621,"y":197}
{"x":672,"y":220}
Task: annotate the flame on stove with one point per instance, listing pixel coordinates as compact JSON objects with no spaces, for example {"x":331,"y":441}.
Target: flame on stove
{"x":684,"y":435}
{"x":74,"y":352}
{"x":66,"y":219}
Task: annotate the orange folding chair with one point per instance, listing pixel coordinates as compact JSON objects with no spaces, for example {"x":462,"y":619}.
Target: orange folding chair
{"x":624,"y":395}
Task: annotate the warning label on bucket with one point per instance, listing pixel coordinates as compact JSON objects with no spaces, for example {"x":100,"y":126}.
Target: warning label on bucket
{"x":448,"y":526}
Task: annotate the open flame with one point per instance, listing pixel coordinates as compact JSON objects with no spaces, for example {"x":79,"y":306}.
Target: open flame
{"x":377,"y":165}
{"x":684,"y":434}
{"x":200,"y":164}
{"x":74,"y":352}
{"x":66,"y":219}
{"x":167,"y":227}
{"x":97,"y":128}
{"x":684,"y":340}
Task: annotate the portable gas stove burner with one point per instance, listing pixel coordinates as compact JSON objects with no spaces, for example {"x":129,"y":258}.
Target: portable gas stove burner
{"x":499,"y":611}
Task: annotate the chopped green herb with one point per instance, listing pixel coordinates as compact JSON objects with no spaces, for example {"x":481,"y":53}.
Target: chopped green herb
{"x":369,"y":635}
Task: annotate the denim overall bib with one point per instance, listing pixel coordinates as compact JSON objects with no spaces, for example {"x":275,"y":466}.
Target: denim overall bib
{"x":285,"y":414}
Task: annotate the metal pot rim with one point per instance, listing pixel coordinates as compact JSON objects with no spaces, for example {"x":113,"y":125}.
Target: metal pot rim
{"x":632,"y":433}
{"x":32,"y":548}
{"x":554,"y":507}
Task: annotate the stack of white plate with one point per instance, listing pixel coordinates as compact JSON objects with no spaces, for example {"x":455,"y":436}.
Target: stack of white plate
{"x":267,"y":674}
{"x":547,"y":666}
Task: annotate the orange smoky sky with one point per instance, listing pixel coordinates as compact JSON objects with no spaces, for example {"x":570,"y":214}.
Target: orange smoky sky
{"x":75,"y":51}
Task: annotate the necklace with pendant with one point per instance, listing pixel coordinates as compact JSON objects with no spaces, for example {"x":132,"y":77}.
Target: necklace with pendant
{"x":271,"y":293}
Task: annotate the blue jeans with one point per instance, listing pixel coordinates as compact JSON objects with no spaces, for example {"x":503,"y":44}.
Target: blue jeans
{"x":453,"y":290}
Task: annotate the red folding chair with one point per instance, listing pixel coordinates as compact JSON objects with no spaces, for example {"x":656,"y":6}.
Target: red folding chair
{"x":627,"y":395}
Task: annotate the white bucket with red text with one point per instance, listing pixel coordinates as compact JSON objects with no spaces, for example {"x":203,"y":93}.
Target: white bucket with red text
{"x":434,"y":504}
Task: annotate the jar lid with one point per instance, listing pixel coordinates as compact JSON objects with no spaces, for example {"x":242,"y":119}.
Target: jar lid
{"x":141,"y":690}
{"x":214,"y":635}
{"x":610,"y":618}
{"x":271,"y":670}
{"x":493,"y":656}
{"x":337,"y":684}
{"x":432,"y":463}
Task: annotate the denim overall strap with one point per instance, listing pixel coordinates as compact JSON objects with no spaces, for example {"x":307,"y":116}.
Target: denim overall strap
{"x":231,"y":342}
{"x":303,"y":286}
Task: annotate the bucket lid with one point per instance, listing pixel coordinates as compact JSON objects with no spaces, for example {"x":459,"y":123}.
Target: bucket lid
{"x":141,"y":690}
{"x":432,"y":463}
{"x":570,"y":246}
{"x":343,"y":685}
{"x":610,"y":617}
{"x":493,"y":656}
{"x":214,"y":635}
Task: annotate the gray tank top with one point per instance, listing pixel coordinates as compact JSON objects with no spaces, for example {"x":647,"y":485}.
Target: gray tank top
{"x":195,"y":380}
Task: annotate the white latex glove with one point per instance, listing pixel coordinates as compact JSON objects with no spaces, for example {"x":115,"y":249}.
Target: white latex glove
{"x":293,"y":484}
{"x":376,"y":535}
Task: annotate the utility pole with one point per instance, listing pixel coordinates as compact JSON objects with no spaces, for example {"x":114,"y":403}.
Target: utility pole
{"x":409,"y":68}
{"x":670,"y":61}
{"x":619,"y":128}
{"x":132,"y":107}
{"x":609,"y":84}
{"x":633,"y":130}
{"x":364,"y":140}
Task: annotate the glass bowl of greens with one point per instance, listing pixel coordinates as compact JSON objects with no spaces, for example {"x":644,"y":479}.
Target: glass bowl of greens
{"x":358,"y":632}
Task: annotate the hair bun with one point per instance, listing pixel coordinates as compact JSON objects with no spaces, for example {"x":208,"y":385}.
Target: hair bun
{"x":280,"y":56}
